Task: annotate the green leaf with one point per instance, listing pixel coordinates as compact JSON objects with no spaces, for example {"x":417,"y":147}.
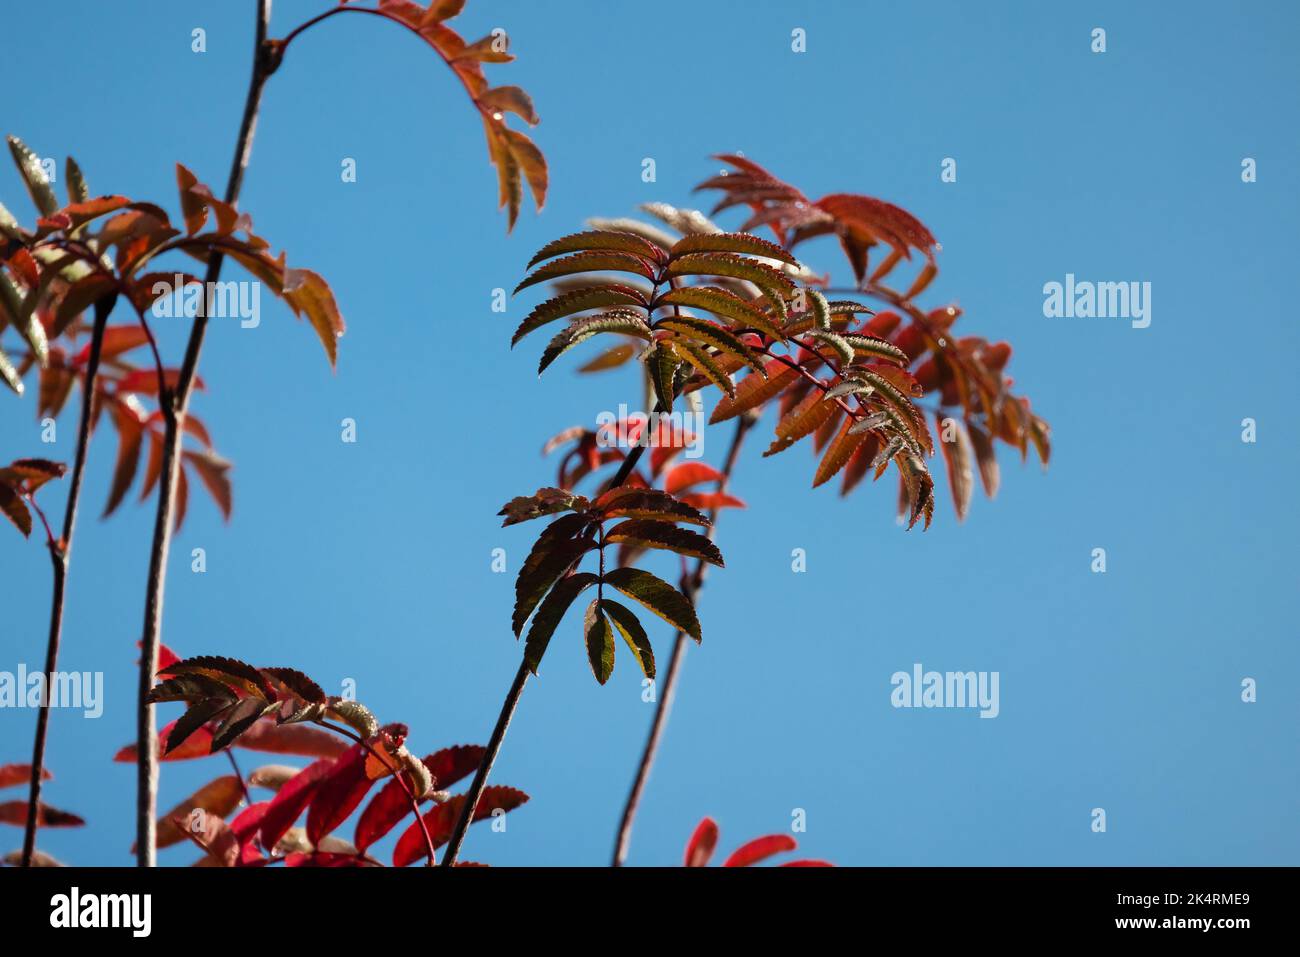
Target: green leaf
{"x":865,"y":345}
{"x":10,"y":374}
{"x":648,"y":533}
{"x":835,"y":341}
{"x":194,"y":718}
{"x":580,"y":300}
{"x":600,"y":642}
{"x":772,"y":283}
{"x":9,"y":225}
{"x":624,"y":321}
{"x":78,"y":191}
{"x":658,"y":596}
{"x":630,"y":628}
{"x":602,"y":240}
{"x":22,"y":316}
{"x":821,"y":310}
{"x":589,"y":262}
{"x":732,"y":243}
{"x":661,"y":362}
{"x":712,"y":334}
{"x":901,"y":404}
{"x":549,"y":614}
{"x":38,"y":184}
{"x":873,"y":421}
{"x":545,"y":565}
{"x":726,"y":305}
{"x":708,"y":367}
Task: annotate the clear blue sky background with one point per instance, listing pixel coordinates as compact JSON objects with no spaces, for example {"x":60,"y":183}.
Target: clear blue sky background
{"x":372,"y":561}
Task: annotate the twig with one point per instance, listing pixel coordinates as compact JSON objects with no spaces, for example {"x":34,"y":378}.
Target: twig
{"x":174,"y":405}
{"x":475,"y":792}
{"x":243,"y":785}
{"x":59,"y":554}
{"x":665,"y":705}
{"x":401,"y":781}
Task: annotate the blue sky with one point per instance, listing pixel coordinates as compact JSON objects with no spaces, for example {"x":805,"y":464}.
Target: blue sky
{"x":371,"y":561}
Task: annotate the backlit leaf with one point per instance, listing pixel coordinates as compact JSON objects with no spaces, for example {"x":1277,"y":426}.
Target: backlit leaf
{"x":598,"y":240}
{"x":753,"y":390}
{"x":651,"y":503}
{"x":580,"y":300}
{"x":633,"y":634}
{"x":726,"y":305}
{"x":658,"y":596}
{"x":217,"y":798}
{"x":700,"y":847}
{"x":662,"y":535}
{"x":732,"y":243}
{"x":622,"y":321}
{"x":599,"y":637}
{"x":441,"y":821}
{"x":589,"y":262}
{"x":760,"y":849}
{"x":957,"y":457}
{"x":33,"y":174}
{"x":549,"y":614}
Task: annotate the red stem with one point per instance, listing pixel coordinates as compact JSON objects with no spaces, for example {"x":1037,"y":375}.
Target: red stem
{"x":60,"y":552}
{"x":397,"y":773}
{"x":173,"y":418}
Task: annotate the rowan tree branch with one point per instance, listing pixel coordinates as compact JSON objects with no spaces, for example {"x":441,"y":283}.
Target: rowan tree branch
{"x":174,"y":405}
{"x":60,"y":551}
{"x":512,"y":701}
{"x":664,"y":707}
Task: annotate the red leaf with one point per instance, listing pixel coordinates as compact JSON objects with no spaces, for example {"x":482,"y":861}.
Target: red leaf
{"x":382,"y":814}
{"x":684,"y":476}
{"x":291,"y":800}
{"x":807,"y":863}
{"x":15,"y":812}
{"x":117,"y":340}
{"x":708,"y":501}
{"x":391,"y":804}
{"x":298,"y":739}
{"x":339,"y":794}
{"x":324,"y":859}
{"x":145,"y":381}
{"x":25,"y":268}
{"x":248,"y":822}
{"x":760,"y":849}
{"x":442,"y":820}
{"x":451,"y":765}
{"x":11,"y":774}
{"x":166,"y":657}
{"x":700,"y":847}
{"x":197,"y":745}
